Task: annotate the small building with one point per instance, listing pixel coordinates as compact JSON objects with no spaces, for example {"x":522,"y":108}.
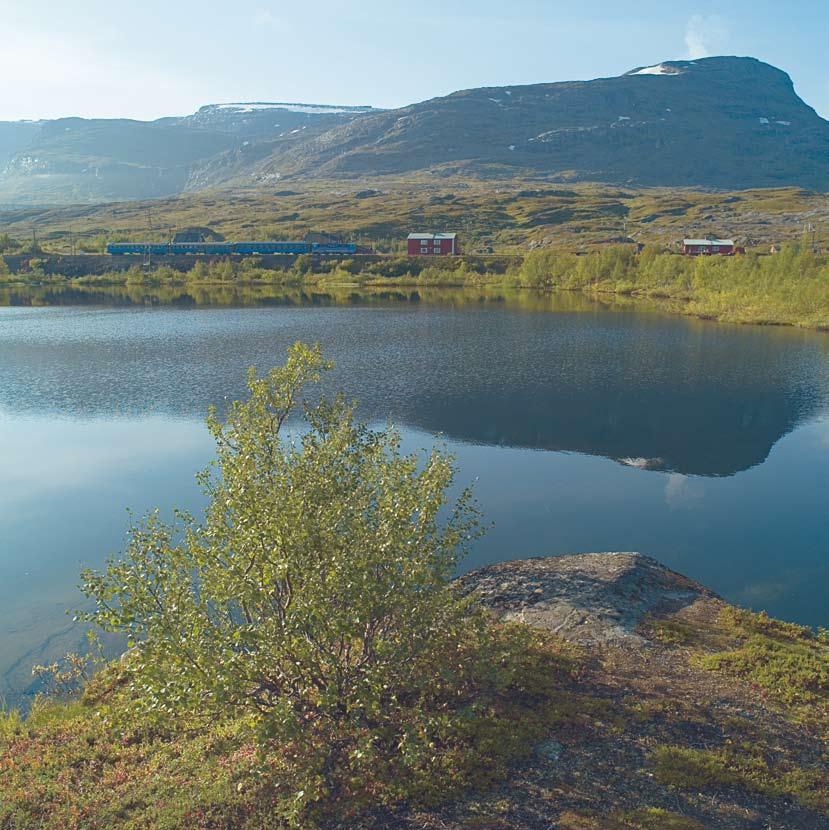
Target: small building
{"x":323,"y":238}
{"x":705,"y":247}
{"x":197,"y":234}
{"x":433,"y":244}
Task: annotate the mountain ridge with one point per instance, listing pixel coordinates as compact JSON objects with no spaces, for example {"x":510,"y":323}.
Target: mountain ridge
{"x":721,"y":122}
{"x":629,"y":129}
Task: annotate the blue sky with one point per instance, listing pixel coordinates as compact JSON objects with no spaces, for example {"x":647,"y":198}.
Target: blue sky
{"x":153,"y":58}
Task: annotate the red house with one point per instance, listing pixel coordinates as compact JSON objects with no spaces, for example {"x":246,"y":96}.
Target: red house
{"x":433,"y":244}
{"x":704,"y":247}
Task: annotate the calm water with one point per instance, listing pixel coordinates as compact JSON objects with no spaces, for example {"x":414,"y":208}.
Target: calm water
{"x":585,"y":428}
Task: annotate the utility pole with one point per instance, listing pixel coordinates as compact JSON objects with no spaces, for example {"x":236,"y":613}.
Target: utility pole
{"x":149,"y":261}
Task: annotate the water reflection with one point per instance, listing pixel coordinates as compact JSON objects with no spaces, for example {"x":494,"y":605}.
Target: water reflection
{"x":651,"y":391}
{"x":587,"y":427}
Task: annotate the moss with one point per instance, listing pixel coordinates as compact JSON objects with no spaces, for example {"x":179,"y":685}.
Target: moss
{"x":644,"y":818}
{"x":741,"y":766}
{"x":788,"y":662}
{"x":655,"y":818}
{"x":670,"y":631}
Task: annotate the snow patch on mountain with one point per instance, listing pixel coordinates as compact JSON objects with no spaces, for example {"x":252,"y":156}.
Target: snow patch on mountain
{"x":310,"y":109}
{"x":659,"y":69}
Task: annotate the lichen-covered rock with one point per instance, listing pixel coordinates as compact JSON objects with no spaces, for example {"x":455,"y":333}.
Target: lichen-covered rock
{"x":586,"y":598}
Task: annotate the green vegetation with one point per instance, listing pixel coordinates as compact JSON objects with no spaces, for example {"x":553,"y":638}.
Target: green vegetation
{"x":645,"y":818}
{"x":301,"y":658}
{"x":8,"y":244}
{"x":787,"y":662}
{"x":300,"y":654}
{"x":788,"y":666}
{"x":496,"y":216}
{"x":513,"y":233}
{"x":788,"y":288}
{"x":744,"y":766}
{"x":791,"y":287}
{"x":96,"y":763}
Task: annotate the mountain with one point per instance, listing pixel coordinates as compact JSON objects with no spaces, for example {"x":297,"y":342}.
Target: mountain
{"x":257,"y":119}
{"x":94,"y":160}
{"x":724,"y":122}
{"x":720,"y":122}
{"x":14,"y":136}
{"x":262,"y":131}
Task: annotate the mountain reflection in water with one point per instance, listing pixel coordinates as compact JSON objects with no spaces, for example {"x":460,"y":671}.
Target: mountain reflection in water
{"x":652,"y":391}
{"x":717,"y":442}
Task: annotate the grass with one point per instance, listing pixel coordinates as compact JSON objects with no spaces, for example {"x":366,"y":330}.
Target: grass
{"x":789,"y":288}
{"x":788,"y":667}
{"x":788,"y":663}
{"x":742,"y":765}
{"x":94,"y":763}
{"x":502,"y":215}
{"x":501,"y":224}
{"x":644,"y":818}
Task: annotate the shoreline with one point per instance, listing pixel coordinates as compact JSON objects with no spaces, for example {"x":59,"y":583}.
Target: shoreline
{"x":675,"y":305}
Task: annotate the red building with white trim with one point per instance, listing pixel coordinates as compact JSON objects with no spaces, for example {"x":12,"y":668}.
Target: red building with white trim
{"x":704,"y":247}
{"x":433,"y":244}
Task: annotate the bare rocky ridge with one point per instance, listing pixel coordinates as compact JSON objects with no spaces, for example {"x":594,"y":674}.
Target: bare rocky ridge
{"x":587,"y":598}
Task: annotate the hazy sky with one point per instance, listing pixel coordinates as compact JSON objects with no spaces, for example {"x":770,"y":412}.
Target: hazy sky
{"x":152,"y":58}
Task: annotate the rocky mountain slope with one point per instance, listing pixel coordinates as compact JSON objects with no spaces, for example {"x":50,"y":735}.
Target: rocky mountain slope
{"x":726,"y":122}
{"x":719,"y":122}
{"x":95,"y":160}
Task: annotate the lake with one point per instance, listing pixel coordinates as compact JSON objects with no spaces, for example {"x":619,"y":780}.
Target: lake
{"x":584,"y":426}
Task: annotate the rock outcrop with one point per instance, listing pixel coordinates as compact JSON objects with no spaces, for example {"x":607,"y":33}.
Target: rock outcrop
{"x":587,"y":598}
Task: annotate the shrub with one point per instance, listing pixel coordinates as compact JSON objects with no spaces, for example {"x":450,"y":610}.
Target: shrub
{"x":314,"y":602}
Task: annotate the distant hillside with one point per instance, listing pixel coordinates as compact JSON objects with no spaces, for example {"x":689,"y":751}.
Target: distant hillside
{"x":718,"y":122}
{"x":725,"y":123}
{"x":95,"y":160}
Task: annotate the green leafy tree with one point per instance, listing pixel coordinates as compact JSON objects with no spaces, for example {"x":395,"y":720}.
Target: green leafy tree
{"x":303,"y":264}
{"x":7,"y":244}
{"x":315,"y":597}
{"x":199,"y":272}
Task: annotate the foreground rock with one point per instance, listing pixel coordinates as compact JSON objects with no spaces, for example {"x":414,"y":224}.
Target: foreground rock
{"x":587,"y":598}
{"x":649,"y":736}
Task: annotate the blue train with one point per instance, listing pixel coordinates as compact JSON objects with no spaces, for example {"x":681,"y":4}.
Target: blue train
{"x":228,"y":248}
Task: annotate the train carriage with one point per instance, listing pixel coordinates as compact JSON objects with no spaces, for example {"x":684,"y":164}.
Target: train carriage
{"x":137,"y":248}
{"x":229,"y":248}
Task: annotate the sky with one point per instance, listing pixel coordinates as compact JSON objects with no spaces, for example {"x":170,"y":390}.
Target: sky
{"x":118,"y":58}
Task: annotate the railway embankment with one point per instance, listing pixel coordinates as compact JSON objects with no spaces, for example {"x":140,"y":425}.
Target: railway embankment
{"x":86,"y":265}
